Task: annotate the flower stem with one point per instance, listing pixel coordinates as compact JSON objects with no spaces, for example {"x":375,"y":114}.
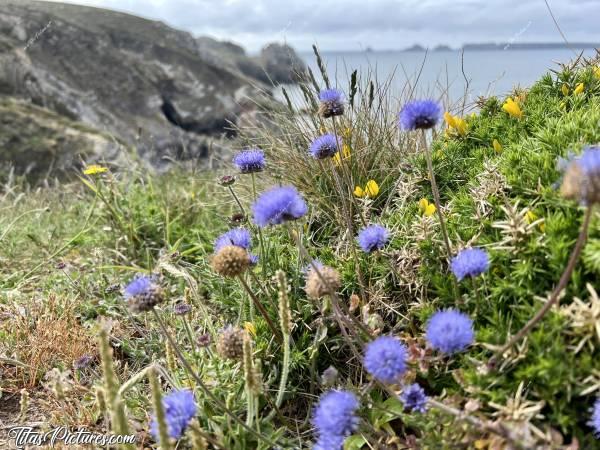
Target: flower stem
{"x":207,"y":391}
{"x":436,"y":193}
{"x":261,"y":309}
{"x":237,"y":200}
{"x":263,"y":254}
{"x":562,"y":284}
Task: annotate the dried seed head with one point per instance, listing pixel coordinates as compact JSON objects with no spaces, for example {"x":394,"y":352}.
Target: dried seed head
{"x":322,"y":283}
{"x":230,"y":343}
{"x":571,"y":185}
{"x":231,"y":261}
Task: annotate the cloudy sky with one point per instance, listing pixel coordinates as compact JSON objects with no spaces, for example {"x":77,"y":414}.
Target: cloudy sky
{"x":380,"y":24}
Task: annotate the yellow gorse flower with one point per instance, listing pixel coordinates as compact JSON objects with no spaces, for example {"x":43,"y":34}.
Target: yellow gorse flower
{"x":426,"y":208}
{"x":94,"y":169}
{"x":371,"y":190}
{"x":512,"y":108}
{"x":497,"y":145}
{"x":345,"y":151}
{"x":579,"y":88}
{"x":531,"y":217}
{"x":565,"y":90}
{"x":250,"y":328}
{"x":455,"y":123}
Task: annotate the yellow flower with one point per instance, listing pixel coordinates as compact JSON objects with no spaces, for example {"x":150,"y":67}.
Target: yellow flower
{"x":345,"y":151}
{"x":565,"y":89}
{"x":456,"y":123}
{"x":250,"y":328}
{"x":531,"y":216}
{"x":94,"y":169}
{"x":359,"y":192}
{"x":347,"y":134}
{"x":597,"y":71}
{"x":371,"y":189}
{"x":497,"y":146}
{"x":323,"y":130}
{"x":427,"y":209}
{"x":579,"y":88}
{"x":512,"y":108}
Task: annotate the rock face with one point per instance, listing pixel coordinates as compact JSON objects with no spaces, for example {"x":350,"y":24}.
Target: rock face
{"x":36,"y":141}
{"x":282,"y":63}
{"x":149,"y":86}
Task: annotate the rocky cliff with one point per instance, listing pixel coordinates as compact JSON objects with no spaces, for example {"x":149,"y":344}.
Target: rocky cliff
{"x":151,"y":87}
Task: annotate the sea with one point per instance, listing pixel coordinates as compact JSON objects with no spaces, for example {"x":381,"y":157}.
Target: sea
{"x":446,"y":75}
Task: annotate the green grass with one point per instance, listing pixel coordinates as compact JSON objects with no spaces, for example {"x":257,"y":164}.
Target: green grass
{"x":65,"y":252}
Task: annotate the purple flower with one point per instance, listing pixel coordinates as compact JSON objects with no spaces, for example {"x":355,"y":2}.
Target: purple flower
{"x":413,"y":398}
{"x":330,"y":442}
{"x":449,"y":331}
{"x":595,"y":419}
{"x":250,"y":161}
{"x":332,"y":103}
{"x":139,"y":286}
{"x":278,"y":205}
{"x":325,"y":146}
{"x":582,"y":177}
{"x":470,"y":262}
{"x":420,"y":114}
{"x":385,"y":359}
{"x":335,"y":418}
{"x":180,"y":409}
{"x":373,"y":237}
{"x":239,"y":237}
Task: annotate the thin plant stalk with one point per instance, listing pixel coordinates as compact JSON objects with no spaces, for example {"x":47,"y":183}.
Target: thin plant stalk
{"x":207,"y":391}
{"x":261,"y":309}
{"x":562,"y":284}
{"x":285,"y":321}
{"x":237,"y":200}
{"x":263,"y":253}
{"x":436,"y":193}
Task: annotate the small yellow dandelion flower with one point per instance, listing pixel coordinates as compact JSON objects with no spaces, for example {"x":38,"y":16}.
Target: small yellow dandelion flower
{"x":565,"y":90}
{"x":371,"y":189}
{"x":597,"y":71}
{"x":427,"y":209}
{"x":359,"y":192}
{"x":512,"y":108}
{"x":497,"y":146}
{"x":94,"y":169}
{"x":250,"y":328}
{"x":579,"y":88}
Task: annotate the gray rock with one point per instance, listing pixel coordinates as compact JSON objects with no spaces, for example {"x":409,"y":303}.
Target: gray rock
{"x":152,"y":87}
{"x":282,"y":63}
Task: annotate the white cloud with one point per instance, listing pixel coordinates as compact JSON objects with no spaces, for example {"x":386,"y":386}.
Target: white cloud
{"x":355,"y":24}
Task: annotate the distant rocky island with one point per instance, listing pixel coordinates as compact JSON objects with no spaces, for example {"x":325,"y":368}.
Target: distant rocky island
{"x":509,"y":46}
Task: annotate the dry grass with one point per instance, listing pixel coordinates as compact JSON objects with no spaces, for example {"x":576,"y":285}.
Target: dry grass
{"x":45,"y":334}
